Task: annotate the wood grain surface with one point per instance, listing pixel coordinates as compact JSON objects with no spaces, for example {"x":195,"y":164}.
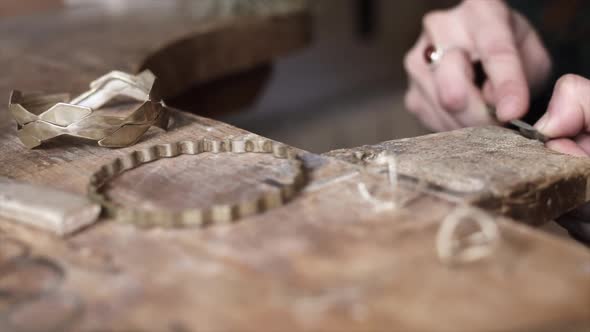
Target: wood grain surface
{"x":492,"y":167}
{"x":182,"y":42}
{"x":328,"y":261}
{"x":24,"y":7}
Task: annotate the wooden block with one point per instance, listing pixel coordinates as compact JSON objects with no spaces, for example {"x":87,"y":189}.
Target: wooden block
{"x":327,"y":261}
{"x":58,"y":212}
{"x":491,"y":167}
{"x":331,"y":260}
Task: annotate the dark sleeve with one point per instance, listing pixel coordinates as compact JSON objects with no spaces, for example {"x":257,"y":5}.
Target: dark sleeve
{"x":562,"y":26}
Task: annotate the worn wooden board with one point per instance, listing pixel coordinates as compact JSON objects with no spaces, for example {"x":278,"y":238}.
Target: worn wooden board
{"x":491,"y":167}
{"x":328,"y":261}
{"x":24,"y":7}
{"x":183,"y":42}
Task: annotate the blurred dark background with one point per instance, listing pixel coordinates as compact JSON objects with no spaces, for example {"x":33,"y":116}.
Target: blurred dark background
{"x":344,"y":90}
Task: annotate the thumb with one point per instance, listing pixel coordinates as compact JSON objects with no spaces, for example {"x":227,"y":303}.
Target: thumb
{"x":568,"y":113}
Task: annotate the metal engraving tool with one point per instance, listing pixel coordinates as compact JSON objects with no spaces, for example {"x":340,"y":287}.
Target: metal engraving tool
{"x":523,"y":128}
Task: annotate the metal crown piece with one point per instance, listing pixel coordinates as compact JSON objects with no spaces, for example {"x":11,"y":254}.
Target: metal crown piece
{"x":213,"y":214}
{"x":43,"y":117}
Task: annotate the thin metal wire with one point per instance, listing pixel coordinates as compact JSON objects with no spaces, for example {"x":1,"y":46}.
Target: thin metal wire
{"x":452,"y":249}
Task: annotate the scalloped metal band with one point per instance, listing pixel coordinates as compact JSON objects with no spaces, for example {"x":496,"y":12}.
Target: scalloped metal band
{"x":215,"y":214}
{"x":43,"y":117}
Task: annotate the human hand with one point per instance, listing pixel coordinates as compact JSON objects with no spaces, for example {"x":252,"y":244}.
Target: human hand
{"x":567,"y":120}
{"x":567,"y":124}
{"x":444,"y":96}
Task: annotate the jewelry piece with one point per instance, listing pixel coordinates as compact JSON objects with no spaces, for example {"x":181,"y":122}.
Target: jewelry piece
{"x":43,"y":117}
{"x":452,"y":249}
{"x":433,"y":55}
{"x":215,"y":214}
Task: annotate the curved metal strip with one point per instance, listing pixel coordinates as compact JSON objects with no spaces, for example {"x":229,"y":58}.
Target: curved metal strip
{"x":214,"y":214}
{"x":43,"y":117}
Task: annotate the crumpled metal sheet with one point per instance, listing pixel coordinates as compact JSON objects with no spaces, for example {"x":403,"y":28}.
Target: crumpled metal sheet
{"x":43,"y":117}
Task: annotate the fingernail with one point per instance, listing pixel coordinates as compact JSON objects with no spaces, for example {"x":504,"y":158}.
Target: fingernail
{"x":542,"y":123}
{"x":546,"y":125}
{"x":508,"y":108}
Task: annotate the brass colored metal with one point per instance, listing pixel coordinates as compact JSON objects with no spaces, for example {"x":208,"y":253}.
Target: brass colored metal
{"x":43,"y":117}
{"x":215,"y":214}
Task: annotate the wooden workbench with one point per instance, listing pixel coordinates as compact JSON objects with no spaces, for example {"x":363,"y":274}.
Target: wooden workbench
{"x":327,"y":261}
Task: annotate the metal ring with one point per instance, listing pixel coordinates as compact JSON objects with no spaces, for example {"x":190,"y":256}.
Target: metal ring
{"x":433,"y":55}
{"x":74,"y":315}
{"x":23,"y":250}
{"x":476,"y":246}
{"x":215,"y":214}
{"x":57,"y":277}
